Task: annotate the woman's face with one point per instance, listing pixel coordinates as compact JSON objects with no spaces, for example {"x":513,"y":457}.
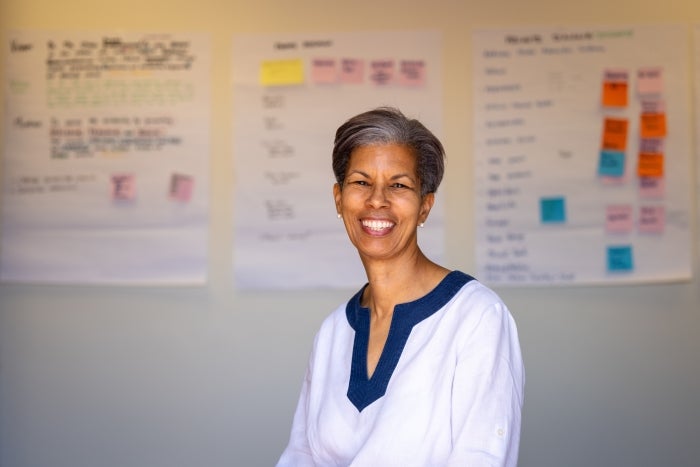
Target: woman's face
{"x":380,"y":201}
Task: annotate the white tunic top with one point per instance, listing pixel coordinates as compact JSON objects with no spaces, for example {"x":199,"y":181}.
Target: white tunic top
{"x":447,"y":390}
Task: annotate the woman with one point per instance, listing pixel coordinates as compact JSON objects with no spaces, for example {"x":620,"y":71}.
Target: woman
{"x":422,"y":367}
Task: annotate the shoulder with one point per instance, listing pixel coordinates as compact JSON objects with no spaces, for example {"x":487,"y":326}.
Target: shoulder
{"x":476,"y":298}
{"x":479,"y":314}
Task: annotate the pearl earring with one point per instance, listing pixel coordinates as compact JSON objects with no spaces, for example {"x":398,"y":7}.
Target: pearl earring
{"x":422,"y":224}
{"x":339,"y":215}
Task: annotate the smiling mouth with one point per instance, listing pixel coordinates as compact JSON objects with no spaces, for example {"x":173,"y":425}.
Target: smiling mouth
{"x":377,"y":226}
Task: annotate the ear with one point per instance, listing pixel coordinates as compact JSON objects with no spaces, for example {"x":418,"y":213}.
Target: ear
{"x":426,"y":205}
{"x":337,"y":192}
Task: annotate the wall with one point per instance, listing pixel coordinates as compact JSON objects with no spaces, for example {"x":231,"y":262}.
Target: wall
{"x":148,"y":377}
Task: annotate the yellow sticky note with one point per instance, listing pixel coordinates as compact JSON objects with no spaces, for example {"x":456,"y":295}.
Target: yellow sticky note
{"x":282,"y":72}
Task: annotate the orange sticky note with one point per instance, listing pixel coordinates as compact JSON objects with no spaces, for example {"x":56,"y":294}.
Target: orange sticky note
{"x":615,"y":134}
{"x":650,"y":165}
{"x":615,"y":88}
{"x":614,"y":94}
{"x":652,"y":125}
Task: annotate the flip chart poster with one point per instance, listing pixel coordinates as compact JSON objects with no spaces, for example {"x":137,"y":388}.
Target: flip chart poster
{"x":583,"y":155}
{"x":696,"y":61}
{"x":106,"y":146}
{"x":291,"y":92}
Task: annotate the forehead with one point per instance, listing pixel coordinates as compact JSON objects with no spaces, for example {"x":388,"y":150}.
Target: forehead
{"x":393,"y":156}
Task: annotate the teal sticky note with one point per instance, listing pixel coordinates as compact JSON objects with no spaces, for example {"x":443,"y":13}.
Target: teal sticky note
{"x":611,"y":163}
{"x":552,"y":210}
{"x":620,"y":258}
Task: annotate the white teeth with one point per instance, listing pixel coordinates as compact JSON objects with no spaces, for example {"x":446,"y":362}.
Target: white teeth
{"x":377,"y":225}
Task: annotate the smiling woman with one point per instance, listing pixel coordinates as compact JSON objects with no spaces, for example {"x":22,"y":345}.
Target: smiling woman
{"x":422,"y":366}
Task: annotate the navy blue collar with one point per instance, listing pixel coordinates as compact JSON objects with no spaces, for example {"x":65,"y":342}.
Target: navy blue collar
{"x":362,"y":391}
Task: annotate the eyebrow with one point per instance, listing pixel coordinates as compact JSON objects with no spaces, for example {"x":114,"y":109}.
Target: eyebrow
{"x":393,"y":177}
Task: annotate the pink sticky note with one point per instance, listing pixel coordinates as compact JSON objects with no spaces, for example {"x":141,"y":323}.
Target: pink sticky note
{"x":352,"y":71}
{"x":324,"y":71}
{"x":652,"y":187}
{"x":652,"y":219}
{"x":618,"y":218}
{"x":650,"y":80}
{"x":123,"y":187}
{"x":181,"y":187}
{"x":412,"y":73}
{"x":381,"y":72}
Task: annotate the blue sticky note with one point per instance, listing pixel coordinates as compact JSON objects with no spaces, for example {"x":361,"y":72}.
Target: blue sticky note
{"x":611,"y":163}
{"x":620,"y":258}
{"x":552,"y":210}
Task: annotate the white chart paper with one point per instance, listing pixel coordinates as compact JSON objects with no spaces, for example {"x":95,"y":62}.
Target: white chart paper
{"x":583,"y":155}
{"x":105,"y":174}
{"x":291,"y":92}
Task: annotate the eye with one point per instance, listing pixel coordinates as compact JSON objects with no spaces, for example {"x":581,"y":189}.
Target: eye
{"x":360,"y":182}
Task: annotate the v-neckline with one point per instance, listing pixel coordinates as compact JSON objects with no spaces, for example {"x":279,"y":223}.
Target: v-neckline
{"x":364,"y":390}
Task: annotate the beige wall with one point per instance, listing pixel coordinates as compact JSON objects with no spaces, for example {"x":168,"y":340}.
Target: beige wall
{"x":116,"y":377}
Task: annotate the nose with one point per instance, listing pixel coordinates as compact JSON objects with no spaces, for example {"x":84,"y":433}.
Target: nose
{"x":377,"y":197}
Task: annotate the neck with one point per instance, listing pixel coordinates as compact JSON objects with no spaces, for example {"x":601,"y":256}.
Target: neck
{"x":398,"y":281}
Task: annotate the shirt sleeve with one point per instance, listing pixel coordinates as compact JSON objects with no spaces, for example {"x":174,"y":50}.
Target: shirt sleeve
{"x":487,"y":393}
{"x":298,"y":453}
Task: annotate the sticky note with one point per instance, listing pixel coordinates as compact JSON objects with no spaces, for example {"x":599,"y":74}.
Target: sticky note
{"x":123,"y":187}
{"x":381,"y":72}
{"x":650,"y":80}
{"x":652,"y":219}
{"x":652,"y":125}
{"x":615,"y":133}
{"x":324,"y":71}
{"x":181,"y":187}
{"x":282,"y":72}
{"x":352,"y":71}
{"x":619,"y":218}
{"x":651,"y":145}
{"x":650,"y":165}
{"x":620,"y":258}
{"x":611,"y":163}
{"x":615,"y":88}
{"x":552,"y":210}
{"x":652,"y":187}
{"x":412,"y":72}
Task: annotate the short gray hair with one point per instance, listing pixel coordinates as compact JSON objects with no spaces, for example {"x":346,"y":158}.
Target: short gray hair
{"x":387,"y":125}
